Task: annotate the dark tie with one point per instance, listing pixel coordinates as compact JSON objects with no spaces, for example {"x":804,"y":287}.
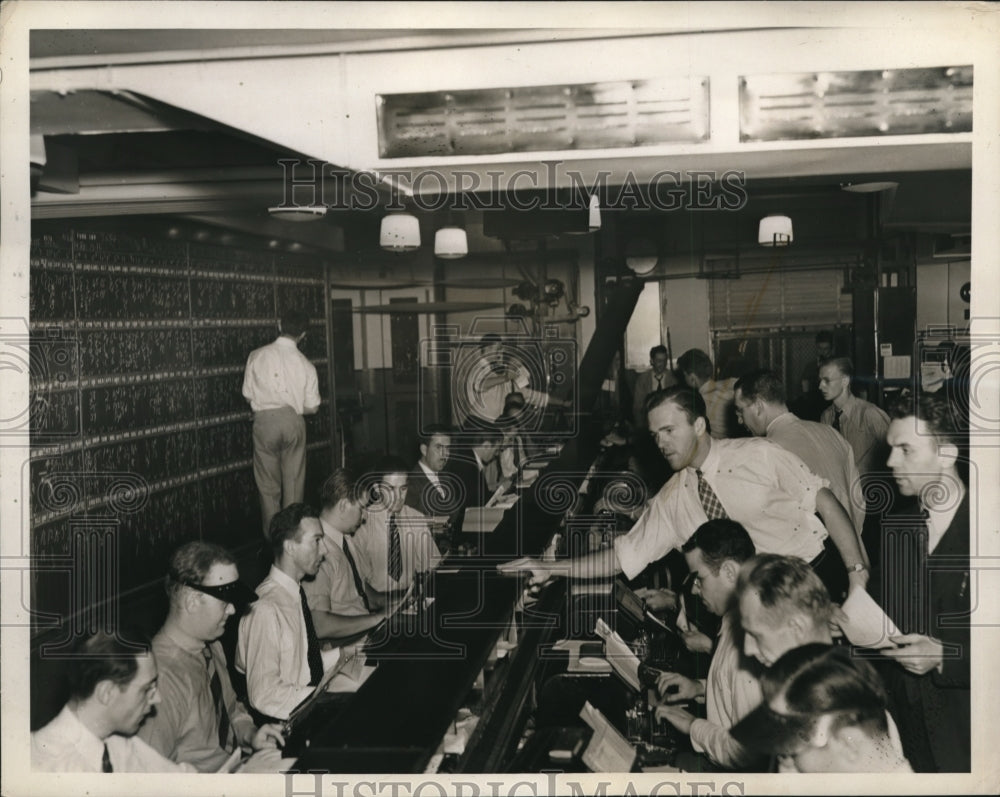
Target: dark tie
{"x":358,"y":583}
{"x":709,"y":500}
{"x":836,"y":419}
{"x":312,"y":654}
{"x":221,"y":714}
{"x":106,"y":761}
{"x":659,"y":383}
{"x":395,"y":551}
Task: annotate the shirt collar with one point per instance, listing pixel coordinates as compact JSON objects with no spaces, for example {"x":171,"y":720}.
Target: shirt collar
{"x":188,"y":645}
{"x":711,"y":463}
{"x":333,"y":536}
{"x":282,"y":578}
{"x":432,"y":475}
{"x":849,"y":402}
{"x":479,"y":462}
{"x":85,"y":739}
{"x":781,"y":420}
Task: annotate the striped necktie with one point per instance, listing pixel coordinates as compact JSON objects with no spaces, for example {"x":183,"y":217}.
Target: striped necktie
{"x":709,"y":500}
{"x":395,"y":550}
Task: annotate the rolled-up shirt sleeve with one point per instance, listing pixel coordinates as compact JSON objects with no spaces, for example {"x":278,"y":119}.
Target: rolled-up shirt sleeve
{"x":660,"y":529}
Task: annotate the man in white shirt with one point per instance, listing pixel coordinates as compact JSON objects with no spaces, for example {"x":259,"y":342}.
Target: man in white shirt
{"x":281,"y":385}
{"x":278,"y":649}
{"x":394,"y":539}
{"x":113,"y":687}
{"x":777,"y":499}
{"x":341,"y":602}
{"x":714,"y":554}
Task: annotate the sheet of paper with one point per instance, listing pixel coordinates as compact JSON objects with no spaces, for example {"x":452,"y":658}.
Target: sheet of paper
{"x":608,"y":750}
{"x":622,"y":659}
{"x":867,"y":625}
{"x":232,"y":762}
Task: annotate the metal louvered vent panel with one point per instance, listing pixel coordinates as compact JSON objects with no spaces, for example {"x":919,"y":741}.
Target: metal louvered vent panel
{"x":890,"y":102}
{"x":584,"y":116}
{"x":779,"y":299}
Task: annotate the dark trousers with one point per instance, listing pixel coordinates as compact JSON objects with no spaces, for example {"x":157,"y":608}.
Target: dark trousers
{"x":829,"y":566}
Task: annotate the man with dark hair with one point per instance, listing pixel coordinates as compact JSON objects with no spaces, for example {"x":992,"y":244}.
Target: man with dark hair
{"x":823,"y":711}
{"x":281,"y":385}
{"x":342,"y":604}
{"x":467,"y":465}
{"x":429,"y":490}
{"x":698,"y":372}
{"x":761,"y":408}
{"x":714,"y":554}
{"x":861,"y":423}
{"x":765,"y":488}
{"x":927,"y":589}
{"x":200,"y":720}
{"x":659,"y":377}
{"x":278,"y":649}
{"x":113,"y":687}
{"x":394,"y":539}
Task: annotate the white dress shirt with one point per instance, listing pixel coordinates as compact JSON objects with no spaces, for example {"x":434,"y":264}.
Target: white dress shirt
{"x":273,"y":647}
{"x":67,"y":745}
{"x":279,"y":375}
{"x":767,"y":489}
{"x":417,"y":547}
{"x":333,"y":589}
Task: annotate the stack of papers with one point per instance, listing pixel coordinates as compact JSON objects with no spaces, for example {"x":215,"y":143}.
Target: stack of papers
{"x":608,"y":750}
{"x":867,"y":626}
{"x":482,"y":519}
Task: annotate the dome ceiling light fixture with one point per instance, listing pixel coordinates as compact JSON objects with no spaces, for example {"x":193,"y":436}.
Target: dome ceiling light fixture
{"x":775,"y":231}
{"x":298,"y":212}
{"x":400,"y":232}
{"x":451,"y":243}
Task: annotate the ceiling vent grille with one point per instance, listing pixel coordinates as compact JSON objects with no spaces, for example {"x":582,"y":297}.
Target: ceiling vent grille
{"x":892,"y":102}
{"x":628,"y":113}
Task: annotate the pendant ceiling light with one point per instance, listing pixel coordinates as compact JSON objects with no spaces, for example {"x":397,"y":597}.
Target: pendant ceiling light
{"x":400,"y":232}
{"x":775,"y":231}
{"x":451,"y":243}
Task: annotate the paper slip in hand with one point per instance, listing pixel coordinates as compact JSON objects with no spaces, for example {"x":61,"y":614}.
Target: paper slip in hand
{"x":608,"y":750}
{"x":622,"y":659}
{"x":515,"y":566}
{"x":867,"y":625}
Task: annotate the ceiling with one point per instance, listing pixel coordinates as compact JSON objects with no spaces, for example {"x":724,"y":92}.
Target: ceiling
{"x":123,"y":152}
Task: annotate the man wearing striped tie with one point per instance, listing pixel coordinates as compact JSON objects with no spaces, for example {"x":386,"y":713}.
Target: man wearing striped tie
{"x":342,"y":604}
{"x":785,"y":508}
{"x":200,"y":720}
{"x":394,"y":539}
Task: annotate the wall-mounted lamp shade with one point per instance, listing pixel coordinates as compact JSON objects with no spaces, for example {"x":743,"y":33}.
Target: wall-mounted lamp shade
{"x":595,"y":213}
{"x":642,"y":265}
{"x":451,"y":243}
{"x":400,"y":232}
{"x":298,"y":212}
{"x":775,"y":231}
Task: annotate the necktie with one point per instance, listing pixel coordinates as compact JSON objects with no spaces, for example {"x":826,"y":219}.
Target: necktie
{"x":659,"y":383}
{"x":836,"y":419}
{"x":358,"y":583}
{"x":221,"y":714}
{"x":312,"y":653}
{"x":395,"y":552}
{"x":709,"y":500}
{"x":106,"y":761}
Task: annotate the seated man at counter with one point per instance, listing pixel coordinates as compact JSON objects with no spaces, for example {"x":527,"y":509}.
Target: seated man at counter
{"x":513,"y":452}
{"x":765,"y":488}
{"x":715,"y":553}
{"x":394,"y":540}
{"x":278,"y":649}
{"x":467,"y":464}
{"x":199,"y":719}
{"x":112,"y":690}
{"x":824,"y":711}
{"x":429,"y":490}
{"x":342,"y":604}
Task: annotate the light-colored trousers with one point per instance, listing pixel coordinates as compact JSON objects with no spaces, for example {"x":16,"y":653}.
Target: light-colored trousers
{"x":279,"y":459}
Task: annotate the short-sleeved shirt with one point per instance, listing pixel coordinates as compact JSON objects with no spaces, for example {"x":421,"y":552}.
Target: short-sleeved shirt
{"x":333,"y":589}
{"x":279,"y":375}
{"x":767,"y":489}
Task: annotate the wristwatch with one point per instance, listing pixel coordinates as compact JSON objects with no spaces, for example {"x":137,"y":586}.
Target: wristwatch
{"x":858,"y":567}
